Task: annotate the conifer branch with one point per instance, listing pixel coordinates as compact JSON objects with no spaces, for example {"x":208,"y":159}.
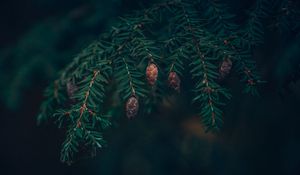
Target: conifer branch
{"x":133,"y":52}
{"x":84,"y":107}
{"x":129,"y":77}
{"x":54,"y":98}
{"x":216,"y":17}
{"x":210,"y":112}
{"x":253,"y":31}
{"x":236,"y":50}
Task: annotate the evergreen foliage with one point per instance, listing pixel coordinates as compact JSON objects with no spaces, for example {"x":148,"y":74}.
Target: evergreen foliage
{"x":49,"y":45}
{"x":189,"y":38}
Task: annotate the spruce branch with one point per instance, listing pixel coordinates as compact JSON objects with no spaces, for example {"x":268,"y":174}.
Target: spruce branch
{"x":88,"y":99}
{"x":208,"y":88}
{"x":84,"y":106}
{"x":173,"y":36}
{"x":54,"y":98}
{"x":216,"y":17}
{"x":130,"y":84}
{"x":240,"y":53}
{"x":252,"y":33}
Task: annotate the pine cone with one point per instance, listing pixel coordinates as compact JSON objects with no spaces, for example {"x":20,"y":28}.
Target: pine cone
{"x":71,"y":88}
{"x":151,"y":73}
{"x":174,"y":81}
{"x":225,"y":68}
{"x":132,"y":107}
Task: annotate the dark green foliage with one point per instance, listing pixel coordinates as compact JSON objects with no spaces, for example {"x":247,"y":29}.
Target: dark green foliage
{"x":55,"y":98}
{"x":287,"y":16}
{"x":45,"y":48}
{"x":253,"y":31}
{"x":179,"y":38}
{"x":217,"y":18}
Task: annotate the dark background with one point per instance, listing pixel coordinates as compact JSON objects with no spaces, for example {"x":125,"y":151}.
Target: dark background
{"x":260,"y":135}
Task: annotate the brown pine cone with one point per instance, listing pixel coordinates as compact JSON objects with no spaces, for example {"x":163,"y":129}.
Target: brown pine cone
{"x":151,"y":73}
{"x":174,"y":81}
{"x":71,"y":88}
{"x":225,"y":68}
{"x":132,"y":107}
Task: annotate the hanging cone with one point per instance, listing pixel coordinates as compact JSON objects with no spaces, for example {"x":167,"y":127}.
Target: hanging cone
{"x":225,"y":68}
{"x":71,"y":88}
{"x":132,"y":107}
{"x":152,"y":73}
{"x":174,"y":81}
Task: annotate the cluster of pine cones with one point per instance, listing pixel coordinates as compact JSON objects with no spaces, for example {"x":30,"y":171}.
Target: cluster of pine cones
{"x":132,"y":104}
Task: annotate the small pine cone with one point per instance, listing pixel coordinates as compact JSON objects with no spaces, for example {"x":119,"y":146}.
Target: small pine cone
{"x":71,"y":88}
{"x":132,"y":107}
{"x":174,"y":81}
{"x":225,"y":68}
{"x":152,"y":73}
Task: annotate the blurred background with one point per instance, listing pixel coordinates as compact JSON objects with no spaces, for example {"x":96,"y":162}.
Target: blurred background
{"x":39,"y":37}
